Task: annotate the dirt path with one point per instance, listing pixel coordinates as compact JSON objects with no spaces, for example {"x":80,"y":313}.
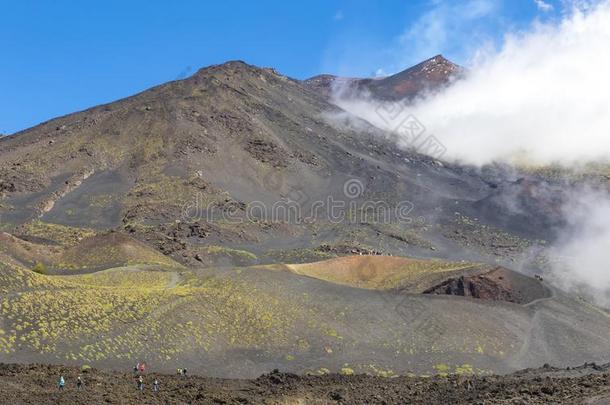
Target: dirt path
{"x":531,"y":337}
{"x":544,"y":299}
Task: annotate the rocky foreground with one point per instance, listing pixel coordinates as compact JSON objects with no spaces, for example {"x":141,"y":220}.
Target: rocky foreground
{"x":35,"y":384}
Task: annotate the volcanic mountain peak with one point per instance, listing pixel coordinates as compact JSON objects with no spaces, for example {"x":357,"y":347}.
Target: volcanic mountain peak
{"x":433,"y":69}
{"x":430,"y":74}
{"x":438,"y":60}
{"x":231,"y":66}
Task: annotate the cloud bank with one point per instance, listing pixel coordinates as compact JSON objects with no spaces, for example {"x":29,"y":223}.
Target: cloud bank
{"x":580,"y":261}
{"x":543,"y":97}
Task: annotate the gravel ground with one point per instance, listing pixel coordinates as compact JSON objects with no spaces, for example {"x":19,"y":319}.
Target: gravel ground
{"x":35,"y":384}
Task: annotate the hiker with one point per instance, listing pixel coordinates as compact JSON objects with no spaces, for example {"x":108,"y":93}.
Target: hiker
{"x":79,"y":383}
{"x":61,"y":383}
{"x":142,"y":368}
{"x":184,"y":372}
{"x":179,"y":370}
{"x":135,"y":368}
{"x":156,"y":385}
{"x":140,"y":383}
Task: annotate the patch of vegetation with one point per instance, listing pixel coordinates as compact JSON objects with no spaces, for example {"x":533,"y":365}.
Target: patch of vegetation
{"x":411,"y":235}
{"x":298,"y":255}
{"x":442,"y":369}
{"x":40,"y":268}
{"x":112,"y":250}
{"x":236,"y":256}
{"x":464,"y":369}
{"x":159,"y":197}
{"x":125,"y":277}
{"x":382,"y":372}
{"x":105,"y":315}
{"x":15,"y":279}
{"x":469,"y":233}
{"x":64,"y":235}
{"x":347,"y":371}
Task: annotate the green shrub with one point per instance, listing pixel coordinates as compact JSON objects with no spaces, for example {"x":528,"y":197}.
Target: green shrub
{"x":40,"y":268}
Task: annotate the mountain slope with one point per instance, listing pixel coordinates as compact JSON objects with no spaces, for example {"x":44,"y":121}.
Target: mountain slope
{"x":179,"y":166}
{"x":240,"y":322}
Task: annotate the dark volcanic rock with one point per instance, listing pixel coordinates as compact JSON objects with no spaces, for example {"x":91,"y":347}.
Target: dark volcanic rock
{"x":496,"y":285}
{"x":37,"y":384}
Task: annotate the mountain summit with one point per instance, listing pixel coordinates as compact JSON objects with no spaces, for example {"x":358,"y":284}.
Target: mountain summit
{"x":430,"y":74}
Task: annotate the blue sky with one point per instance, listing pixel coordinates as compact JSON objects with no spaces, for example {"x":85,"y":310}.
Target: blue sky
{"x":61,"y":56}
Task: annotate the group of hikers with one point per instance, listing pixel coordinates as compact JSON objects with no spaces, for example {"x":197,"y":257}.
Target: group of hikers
{"x":61,"y":384}
{"x":140,"y":384}
{"x":138,"y":371}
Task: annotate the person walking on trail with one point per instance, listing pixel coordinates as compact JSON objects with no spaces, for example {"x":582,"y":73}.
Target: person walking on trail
{"x":184,"y":372}
{"x":142,"y":367}
{"x":141,"y":383}
{"x":79,"y":383}
{"x":156,"y":385}
{"x":61,"y":383}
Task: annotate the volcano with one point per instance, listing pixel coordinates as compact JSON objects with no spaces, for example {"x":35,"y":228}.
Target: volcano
{"x":190,"y":224}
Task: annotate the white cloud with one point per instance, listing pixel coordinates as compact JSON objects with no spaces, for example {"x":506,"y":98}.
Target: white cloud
{"x":543,"y":6}
{"x":583,"y":5}
{"x":581,"y":255}
{"x":544,"y":96}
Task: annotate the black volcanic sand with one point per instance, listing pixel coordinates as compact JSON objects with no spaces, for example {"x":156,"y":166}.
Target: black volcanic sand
{"x":34,"y":384}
